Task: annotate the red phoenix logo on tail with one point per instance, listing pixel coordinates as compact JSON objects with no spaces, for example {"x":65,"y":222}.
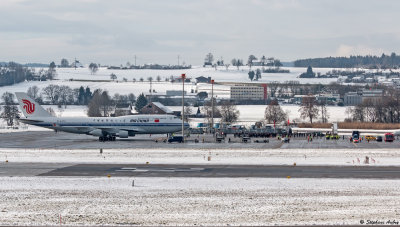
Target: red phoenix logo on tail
{"x":28,"y":106}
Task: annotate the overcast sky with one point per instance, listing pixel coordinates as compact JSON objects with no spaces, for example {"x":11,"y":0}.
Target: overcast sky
{"x":112,"y":32}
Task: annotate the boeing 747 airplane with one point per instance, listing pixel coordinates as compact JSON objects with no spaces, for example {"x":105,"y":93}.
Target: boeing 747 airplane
{"x":106,"y":128}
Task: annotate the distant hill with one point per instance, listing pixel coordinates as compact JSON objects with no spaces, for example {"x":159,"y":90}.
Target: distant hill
{"x":372,"y":62}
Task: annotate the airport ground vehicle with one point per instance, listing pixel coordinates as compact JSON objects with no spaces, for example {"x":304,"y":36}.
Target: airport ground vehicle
{"x":389,"y":137}
{"x":196,"y":131}
{"x":286,"y":139}
{"x":220,"y":136}
{"x":178,"y":139}
{"x":245,"y":138}
{"x":355,"y":136}
{"x":369,"y":137}
{"x":331,"y":136}
{"x":379,"y":139}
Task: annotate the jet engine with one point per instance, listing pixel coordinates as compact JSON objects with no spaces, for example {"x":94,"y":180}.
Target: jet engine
{"x":96,"y":132}
{"x":123,"y":134}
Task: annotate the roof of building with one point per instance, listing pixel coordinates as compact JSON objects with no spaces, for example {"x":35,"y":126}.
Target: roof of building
{"x":201,"y":77}
{"x":162,"y":107}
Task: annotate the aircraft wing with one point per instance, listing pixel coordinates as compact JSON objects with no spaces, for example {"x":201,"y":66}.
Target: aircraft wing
{"x":114,"y":130}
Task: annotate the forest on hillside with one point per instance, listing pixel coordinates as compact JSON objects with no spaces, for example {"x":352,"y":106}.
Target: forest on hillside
{"x":391,"y":61}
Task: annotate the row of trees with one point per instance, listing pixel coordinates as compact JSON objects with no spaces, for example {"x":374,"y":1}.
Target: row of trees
{"x":291,"y":88}
{"x":13,"y":73}
{"x":386,"y":110}
{"x":64,"y":95}
{"x":310,"y":109}
{"x":264,"y":61}
{"x":224,"y":110}
{"x":369,"y":61}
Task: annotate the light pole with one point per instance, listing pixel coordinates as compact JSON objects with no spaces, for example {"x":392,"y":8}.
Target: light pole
{"x":183,"y":106}
{"x":212,"y":105}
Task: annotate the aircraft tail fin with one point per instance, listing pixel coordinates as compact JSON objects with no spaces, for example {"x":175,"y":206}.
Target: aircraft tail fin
{"x":29,"y":107}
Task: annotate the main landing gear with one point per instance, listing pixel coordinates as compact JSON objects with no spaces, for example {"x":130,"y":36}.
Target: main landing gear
{"x":106,"y":138}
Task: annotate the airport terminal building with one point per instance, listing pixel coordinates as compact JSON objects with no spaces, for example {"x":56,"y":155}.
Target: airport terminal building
{"x":356,"y":98}
{"x":249,"y":92}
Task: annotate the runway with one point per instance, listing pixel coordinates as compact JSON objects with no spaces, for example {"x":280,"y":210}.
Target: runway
{"x":209,"y":171}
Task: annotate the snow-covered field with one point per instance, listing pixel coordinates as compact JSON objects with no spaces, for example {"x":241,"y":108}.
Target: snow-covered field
{"x":250,"y":156}
{"x":219,"y":75}
{"x":66,"y":76}
{"x":196,"y":201}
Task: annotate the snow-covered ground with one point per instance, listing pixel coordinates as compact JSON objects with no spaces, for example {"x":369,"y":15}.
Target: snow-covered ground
{"x":249,"y":156}
{"x":196,"y":201}
{"x":66,"y":76}
{"x":219,"y":75}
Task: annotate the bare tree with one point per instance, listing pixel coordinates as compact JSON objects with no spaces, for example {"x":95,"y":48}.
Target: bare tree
{"x":229,"y":112}
{"x":207,"y":110}
{"x":250,"y":60}
{"x":209,"y":58}
{"x":324,"y":112}
{"x":51,"y":73}
{"x":113,"y":76}
{"x":227,"y":66}
{"x":369,"y":109}
{"x":308,"y":108}
{"x":10,"y":110}
{"x":52,"y":92}
{"x":64,"y":63}
{"x":33,"y":92}
{"x":188,"y":112}
{"x":358,"y":113}
{"x":349,"y":112}
{"x":64,"y":95}
{"x":158,"y":78}
{"x":131,"y":98}
{"x":273,"y":88}
{"x":274,"y":113}
{"x":93,"y":68}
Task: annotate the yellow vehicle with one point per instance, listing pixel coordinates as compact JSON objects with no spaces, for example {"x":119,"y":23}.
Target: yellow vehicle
{"x":369,"y":137}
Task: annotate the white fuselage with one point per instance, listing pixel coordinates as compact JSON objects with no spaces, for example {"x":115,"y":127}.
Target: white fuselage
{"x":132,"y":124}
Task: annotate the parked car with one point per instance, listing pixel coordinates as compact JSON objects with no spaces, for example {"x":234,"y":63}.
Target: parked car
{"x":379,"y":139}
{"x":178,"y":139}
